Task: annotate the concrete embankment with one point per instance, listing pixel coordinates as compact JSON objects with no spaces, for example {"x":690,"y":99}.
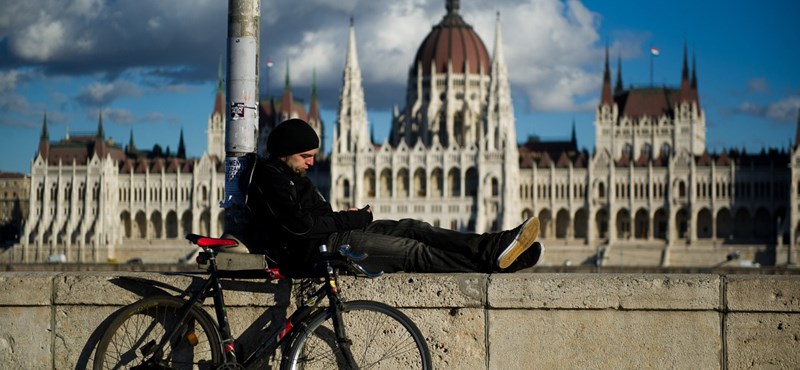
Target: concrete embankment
{"x":471,"y":321}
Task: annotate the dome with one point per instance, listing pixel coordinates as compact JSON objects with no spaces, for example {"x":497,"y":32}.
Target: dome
{"x":452,"y":40}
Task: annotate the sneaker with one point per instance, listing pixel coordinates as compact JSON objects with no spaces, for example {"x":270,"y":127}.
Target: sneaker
{"x":530,"y":258}
{"x":524,"y":239}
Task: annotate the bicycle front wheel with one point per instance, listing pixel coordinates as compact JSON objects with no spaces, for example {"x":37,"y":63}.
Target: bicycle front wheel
{"x":380,"y":337}
{"x":133,"y":335}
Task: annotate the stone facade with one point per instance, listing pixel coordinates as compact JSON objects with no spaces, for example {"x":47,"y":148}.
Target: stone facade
{"x":470,"y":321}
{"x":650,"y":193}
{"x":451,"y":160}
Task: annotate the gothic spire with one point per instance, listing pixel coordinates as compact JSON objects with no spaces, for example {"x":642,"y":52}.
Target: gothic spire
{"x":101,"y":133}
{"x":797,"y":133}
{"x":619,"y":87}
{"x":131,"y":146}
{"x":686,"y":93}
{"x":220,"y":84}
{"x":44,"y":139}
{"x":351,"y":132}
{"x":287,"y":86}
{"x":694,"y":71}
{"x":685,"y":69}
{"x":181,"y":147}
{"x":574,"y":135}
{"x":605,"y":96}
{"x":45,"y":134}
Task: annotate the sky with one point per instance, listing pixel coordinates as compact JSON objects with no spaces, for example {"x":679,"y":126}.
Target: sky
{"x":151,"y":66}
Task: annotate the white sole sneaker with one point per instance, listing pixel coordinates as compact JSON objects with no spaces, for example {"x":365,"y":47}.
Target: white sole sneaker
{"x":524,"y":239}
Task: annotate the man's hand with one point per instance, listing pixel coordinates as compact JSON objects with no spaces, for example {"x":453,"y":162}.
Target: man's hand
{"x":366,"y":208}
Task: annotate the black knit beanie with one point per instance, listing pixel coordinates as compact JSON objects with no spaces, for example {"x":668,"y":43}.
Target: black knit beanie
{"x":291,"y":137}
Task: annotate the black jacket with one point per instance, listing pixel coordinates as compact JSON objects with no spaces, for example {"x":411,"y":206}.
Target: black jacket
{"x":290,"y":217}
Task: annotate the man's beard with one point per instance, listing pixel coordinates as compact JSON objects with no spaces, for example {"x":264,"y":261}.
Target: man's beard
{"x":300,"y":172}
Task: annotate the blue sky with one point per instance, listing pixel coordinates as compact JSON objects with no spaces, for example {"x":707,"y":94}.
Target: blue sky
{"x":151,"y":66}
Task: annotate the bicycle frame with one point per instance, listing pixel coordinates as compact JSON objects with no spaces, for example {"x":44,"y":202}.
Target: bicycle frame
{"x":212,"y":287}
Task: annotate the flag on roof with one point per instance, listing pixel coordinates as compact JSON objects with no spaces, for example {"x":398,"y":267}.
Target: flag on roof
{"x":654,"y":51}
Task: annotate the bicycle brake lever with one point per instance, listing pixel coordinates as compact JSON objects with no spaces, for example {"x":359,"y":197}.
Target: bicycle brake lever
{"x":345,"y":251}
{"x":364,"y":272}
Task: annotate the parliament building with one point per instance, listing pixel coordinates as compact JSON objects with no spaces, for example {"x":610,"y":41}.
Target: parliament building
{"x":649,"y":194}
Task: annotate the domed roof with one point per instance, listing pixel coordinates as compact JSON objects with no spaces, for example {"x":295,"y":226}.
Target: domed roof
{"x":452,"y":40}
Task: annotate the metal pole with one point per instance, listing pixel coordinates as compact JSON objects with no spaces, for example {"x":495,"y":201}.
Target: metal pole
{"x":241,"y":126}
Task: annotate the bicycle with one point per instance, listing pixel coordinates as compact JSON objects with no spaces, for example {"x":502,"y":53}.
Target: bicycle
{"x":175,"y":332}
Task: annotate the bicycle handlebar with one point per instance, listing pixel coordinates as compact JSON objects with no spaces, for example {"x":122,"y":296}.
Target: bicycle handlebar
{"x":350,"y":259}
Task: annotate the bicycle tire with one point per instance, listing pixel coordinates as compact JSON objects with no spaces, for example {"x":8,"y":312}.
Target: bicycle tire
{"x":142,"y":324}
{"x":381,"y":337}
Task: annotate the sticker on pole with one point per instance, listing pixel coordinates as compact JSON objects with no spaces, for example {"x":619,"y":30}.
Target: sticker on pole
{"x":237,"y":110}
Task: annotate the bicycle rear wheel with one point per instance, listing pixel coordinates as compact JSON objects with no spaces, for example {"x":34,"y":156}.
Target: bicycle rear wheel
{"x":137,"y":329}
{"x":381,"y":337}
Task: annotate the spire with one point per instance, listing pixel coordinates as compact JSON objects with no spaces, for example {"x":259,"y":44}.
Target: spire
{"x":220,"y":84}
{"x":313,"y":104}
{"x":287,"y":100}
{"x":619,"y":87}
{"x":131,"y":146}
{"x":314,"y":83}
{"x":181,"y":147}
{"x":101,"y":134}
{"x":287,"y":86}
{"x":45,"y":135}
{"x":797,"y":133}
{"x":605,"y":96}
{"x":685,"y":69}
{"x":100,"y":138}
{"x":313,"y":112}
{"x":694,"y":71}
{"x":574,"y":135}
{"x":44,"y":139}
{"x":351,"y":132}
{"x":686,"y":92}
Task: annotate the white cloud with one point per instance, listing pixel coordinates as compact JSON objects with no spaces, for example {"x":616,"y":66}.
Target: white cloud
{"x":785,"y":110}
{"x":40,"y":41}
{"x":9,"y":80}
{"x":102,"y":94}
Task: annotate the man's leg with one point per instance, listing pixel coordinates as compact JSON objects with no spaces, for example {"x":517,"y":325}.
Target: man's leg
{"x":411,"y":245}
{"x":503,"y":247}
{"x":389,"y":253}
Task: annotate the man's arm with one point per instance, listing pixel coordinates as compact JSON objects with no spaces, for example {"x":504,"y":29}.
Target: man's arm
{"x":282,"y":198}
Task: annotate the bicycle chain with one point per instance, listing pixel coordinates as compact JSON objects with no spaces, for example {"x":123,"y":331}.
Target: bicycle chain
{"x":230,"y":366}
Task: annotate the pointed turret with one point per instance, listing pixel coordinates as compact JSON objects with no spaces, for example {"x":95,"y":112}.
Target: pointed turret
{"x":686,"y":93}
{"x":574,"y":135}
{"x":797,"y":133}
{"x":314,"y":117}
{"x":606,"y":98}
{"x":287,"y":99}
{"x":131,"y":149}
{"x":44,"y":139}
{"x":619,"y":87}
{"x":351,"y":131}
{"x":501,"y":135}
{"x":101,"y":133}
{"x":219,"y":98}
{"x":181,"y":147}
{"x":695,"y":94}
{"x":500,"y":131}
{"x":100,"y":138}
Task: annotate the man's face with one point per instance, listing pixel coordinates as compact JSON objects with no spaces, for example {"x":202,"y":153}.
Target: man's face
{"x":300,"y":162}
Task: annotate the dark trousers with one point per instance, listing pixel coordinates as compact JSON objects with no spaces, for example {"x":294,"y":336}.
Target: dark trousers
{"x":414,"y":246}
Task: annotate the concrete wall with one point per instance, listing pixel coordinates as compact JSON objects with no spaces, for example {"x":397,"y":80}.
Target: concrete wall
{"x":471,"y":321}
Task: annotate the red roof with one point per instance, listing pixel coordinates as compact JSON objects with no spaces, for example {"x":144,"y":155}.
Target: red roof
{"x":452,"y":40}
